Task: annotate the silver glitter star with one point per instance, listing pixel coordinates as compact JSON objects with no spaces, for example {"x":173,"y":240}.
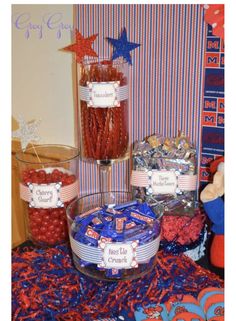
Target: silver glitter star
{"x":27,"y":131}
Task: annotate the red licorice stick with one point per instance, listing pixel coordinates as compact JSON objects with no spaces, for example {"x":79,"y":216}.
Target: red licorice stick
{"x":115,"y":132}
{"x":88,"y":145}
{"x":104,"y":133}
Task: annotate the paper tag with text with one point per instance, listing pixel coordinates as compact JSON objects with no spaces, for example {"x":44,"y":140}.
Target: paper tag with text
{"x":119,"y":255}
{"x":45,"y":195}
{"x":164,"y":182}
{"x":103,"y":94}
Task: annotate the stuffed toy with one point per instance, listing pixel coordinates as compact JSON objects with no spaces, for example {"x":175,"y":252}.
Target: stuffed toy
{"x":213,"y":204}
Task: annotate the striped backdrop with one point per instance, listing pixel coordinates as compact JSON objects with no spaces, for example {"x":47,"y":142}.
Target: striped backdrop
{"x":166,"y":79}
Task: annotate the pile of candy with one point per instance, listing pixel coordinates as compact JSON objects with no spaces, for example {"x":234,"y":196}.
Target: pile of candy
{"x":104,"y":130}
{"x":184,"y":234}
{"x":124,"y":223}
{"x":46,"y":177}
{"x":157,"y":146}
{"x":172,"y":155}
{"x":46,"y":286}
{"x":182,"y":229}
{"x":47,"y":226}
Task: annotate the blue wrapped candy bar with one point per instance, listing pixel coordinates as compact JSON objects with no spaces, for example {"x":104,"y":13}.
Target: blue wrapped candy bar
{"x":115,"y":241}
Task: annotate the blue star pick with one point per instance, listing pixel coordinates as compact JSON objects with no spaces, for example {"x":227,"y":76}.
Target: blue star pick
{"x":122,"y":47}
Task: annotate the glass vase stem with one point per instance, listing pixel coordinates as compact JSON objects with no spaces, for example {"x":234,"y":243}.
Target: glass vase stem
{"x":104,"y":178}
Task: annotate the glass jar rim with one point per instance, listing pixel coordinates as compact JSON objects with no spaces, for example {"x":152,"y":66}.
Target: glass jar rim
{"x":96,"y":194}
{"x":21,"y":152}
{"x":76,"y":201}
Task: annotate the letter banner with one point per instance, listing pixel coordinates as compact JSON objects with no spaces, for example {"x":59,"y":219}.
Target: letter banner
{"x":213,"y":105}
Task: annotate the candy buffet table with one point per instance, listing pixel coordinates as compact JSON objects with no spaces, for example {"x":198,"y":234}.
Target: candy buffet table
{"x":46,"y":286}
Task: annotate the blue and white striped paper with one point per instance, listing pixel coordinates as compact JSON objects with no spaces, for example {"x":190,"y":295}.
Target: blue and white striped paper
{"x":166,"y":79}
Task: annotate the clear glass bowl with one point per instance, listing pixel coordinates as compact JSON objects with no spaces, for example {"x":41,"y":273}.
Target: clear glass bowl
{"x":106,"y":248}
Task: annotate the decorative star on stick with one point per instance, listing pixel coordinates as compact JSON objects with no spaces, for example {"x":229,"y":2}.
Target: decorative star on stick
{"x":82,"y":46}
{"x":27,"y":132}
{"x":122,"y":47}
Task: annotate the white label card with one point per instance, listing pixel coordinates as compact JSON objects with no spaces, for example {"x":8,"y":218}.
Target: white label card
{"x":45,"y":196}
{"x":119,"y":256}
{"x":163,"y":182}
{"x":103,"y":94}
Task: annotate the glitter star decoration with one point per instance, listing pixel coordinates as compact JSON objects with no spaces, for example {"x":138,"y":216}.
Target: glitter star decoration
{"x":27,"y":131}
{"x":82,"y":46}
{"x":122,"y":47}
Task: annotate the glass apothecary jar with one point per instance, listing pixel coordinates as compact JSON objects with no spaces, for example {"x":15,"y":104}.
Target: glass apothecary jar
{"x":103,"y":110}
{"x":48,"y":183}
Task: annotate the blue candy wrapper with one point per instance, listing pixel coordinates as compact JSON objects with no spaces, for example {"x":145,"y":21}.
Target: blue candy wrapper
{"x":125,"y":227}
{"x":125,"y":205}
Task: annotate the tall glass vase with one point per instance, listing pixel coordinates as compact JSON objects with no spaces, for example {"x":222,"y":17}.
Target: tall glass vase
{"x":48,"y":183}
{"x":103,"y":114}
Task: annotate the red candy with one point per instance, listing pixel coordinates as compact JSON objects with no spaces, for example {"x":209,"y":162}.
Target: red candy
{"x":104,"y":130}
{"x":56,"y":291}
{"x":182,"y":229}
{"x":41,"y":177}
{"x":47,"y":226}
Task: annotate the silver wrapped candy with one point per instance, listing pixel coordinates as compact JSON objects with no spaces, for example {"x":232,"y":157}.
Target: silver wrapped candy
{"x":167,"y":162}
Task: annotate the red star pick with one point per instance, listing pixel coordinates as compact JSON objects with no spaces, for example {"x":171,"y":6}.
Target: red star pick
{"x":82,"y":46}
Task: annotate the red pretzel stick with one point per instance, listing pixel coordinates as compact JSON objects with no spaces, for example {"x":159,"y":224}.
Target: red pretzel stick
{"x":94,"y":129}
{"x":98,"y":145}
{"x":108,"y":153}
{"x":125,"y":134}
{"x":90,"y":131}
{"x":112,"y":141}
{"x":122,"y":129}
{"x":115,"y":136}
{"x":87,"y":136}
{"x":105,"y":133}
{"x":116,"y":131}
{"x":100,"y":119}
{"x":122,"y":145}
{"x":82,"y":125}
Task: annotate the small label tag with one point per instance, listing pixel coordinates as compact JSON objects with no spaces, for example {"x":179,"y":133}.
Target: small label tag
{"x":163,"y":182}
{"x":103,"y":94}
{"x":45,"y":195}
{"x":119,"y":255}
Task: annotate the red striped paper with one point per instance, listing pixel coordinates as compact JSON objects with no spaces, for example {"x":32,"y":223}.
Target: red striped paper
{"x":67,"y":192}
{"x":166,"y":79}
